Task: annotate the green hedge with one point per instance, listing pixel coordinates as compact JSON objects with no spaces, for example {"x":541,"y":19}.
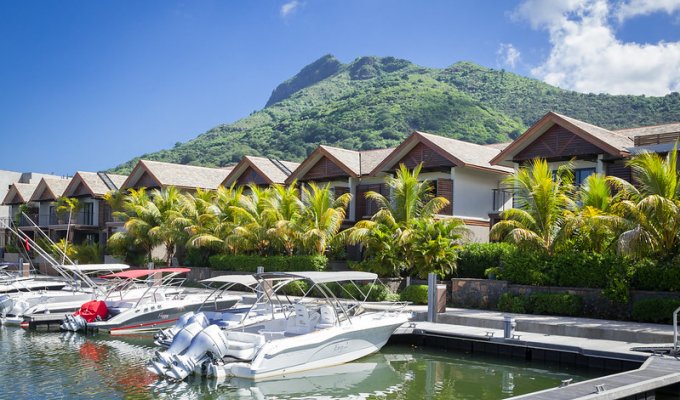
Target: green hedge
{"x":248,"y":263}
{"x":416,"y":294}
{"x":650,"y":275}
{"x":474,"y":258}
{"x":657,"y":310}
{"x":542,"y":303}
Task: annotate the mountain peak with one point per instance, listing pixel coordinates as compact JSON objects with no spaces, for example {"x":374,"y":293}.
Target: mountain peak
{"x":315,"y":72}
{"x":370,"y":67}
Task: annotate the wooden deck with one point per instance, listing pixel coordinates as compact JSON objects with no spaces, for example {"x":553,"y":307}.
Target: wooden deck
{"x":657,"y":372}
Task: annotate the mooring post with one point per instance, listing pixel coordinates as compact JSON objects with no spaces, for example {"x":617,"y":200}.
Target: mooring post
{"x":431,"y":297}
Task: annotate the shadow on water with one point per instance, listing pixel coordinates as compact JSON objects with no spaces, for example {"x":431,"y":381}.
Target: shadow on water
{"x":36,"y":365}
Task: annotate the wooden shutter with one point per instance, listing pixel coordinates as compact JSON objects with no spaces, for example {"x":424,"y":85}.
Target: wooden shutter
{"x":445,"y":190}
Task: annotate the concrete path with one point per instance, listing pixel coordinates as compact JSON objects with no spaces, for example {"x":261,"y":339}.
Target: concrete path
{"x":587,"y":328}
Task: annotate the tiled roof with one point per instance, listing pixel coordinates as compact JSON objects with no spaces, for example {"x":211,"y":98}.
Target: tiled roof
{"x":55,"y":185}
{"x":650,"y":130}
{"x":22,"y":190}
{"x":274,"y":170}
{"x":469,"y":154}
{"x":618,"y":140}
{"x":94,"y":182}
{"x":117,"y":179}
{"x":351,"y":158}
{"x":180,"y":175}
{"x":611,"y":142}
{"x":498,"y":146}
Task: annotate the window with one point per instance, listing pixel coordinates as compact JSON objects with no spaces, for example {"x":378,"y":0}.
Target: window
{"x":581,"y":174}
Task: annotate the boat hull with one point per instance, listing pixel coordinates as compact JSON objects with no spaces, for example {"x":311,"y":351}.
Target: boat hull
{"x":322,"y":348}
{"x":151,"y":318}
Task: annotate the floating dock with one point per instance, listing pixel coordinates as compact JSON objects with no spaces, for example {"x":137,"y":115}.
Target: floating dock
{"x":636,"y":375}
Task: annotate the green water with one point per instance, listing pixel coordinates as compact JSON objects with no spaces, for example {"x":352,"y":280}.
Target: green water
{"x":53,"y":365}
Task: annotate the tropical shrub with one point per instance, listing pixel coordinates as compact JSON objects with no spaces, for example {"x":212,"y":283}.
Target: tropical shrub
{"x":249,"y":263}
{"x":555,"y":304}
{"x":657,"y":310}
{"x":542,"y":303}
{"x":475,"y":258}
{"x":648,"y":274}
{"x":416,"y":294}
{"x":512,"y":303}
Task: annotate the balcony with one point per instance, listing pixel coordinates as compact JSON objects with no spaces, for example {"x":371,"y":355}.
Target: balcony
{"x":77,"y":218}
{"x":502,"y":200}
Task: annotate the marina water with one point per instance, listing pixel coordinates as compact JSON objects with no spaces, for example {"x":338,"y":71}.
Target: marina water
{"x":54,"y":365}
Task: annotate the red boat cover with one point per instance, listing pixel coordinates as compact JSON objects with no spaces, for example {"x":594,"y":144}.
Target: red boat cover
{"x":93,"y":309}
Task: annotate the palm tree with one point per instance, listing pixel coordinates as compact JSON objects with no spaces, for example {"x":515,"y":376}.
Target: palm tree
{"x":64,"y":205}
{"x":283,"y":210}
{"x":141,"y":215}
{"x":409,"y":197}
{"x":391,"y":232}
{"x":322,"y":217}
{"x":591,"y":223}
{"x":651,"y":206}
{"x":541,"y":201}
{"x":253,"y":221}
{"x":168,"y":227}
{"x":432,"y":245}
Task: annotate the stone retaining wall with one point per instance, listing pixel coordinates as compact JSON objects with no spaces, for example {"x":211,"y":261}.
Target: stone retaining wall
{"x":485,"y":293}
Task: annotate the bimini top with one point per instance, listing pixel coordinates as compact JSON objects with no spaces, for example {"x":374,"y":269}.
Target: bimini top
{"x":139,"y":273}
{"x":246,"y":280}
{"x":95,"y":267}
{"x":323,"y":276}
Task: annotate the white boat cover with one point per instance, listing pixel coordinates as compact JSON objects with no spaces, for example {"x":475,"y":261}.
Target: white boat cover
{"x":95,"y":267}
{"x":326,"y":276}
{"x":247,"y":280}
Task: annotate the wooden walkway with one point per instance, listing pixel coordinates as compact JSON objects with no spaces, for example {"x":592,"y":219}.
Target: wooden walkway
{"x":655,"y":373}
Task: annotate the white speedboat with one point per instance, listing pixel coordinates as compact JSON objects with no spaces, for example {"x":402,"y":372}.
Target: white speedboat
{"x":143,"y":301}
{"x":192,"y":322}
{"x":83,"y":286}
{"x":26,"y":281}
{"x":315,"y":333}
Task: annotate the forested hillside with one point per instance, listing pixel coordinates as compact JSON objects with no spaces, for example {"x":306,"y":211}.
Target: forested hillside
{"x":376,"y":102}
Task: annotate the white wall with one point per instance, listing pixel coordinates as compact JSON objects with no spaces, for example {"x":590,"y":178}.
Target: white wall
{"x":472,"y":192}
{"x":6,"y":179}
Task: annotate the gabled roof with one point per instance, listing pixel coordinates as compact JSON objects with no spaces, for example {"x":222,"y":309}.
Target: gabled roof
{"x":178,"y":175}
{"x":95,"y":185}
{"x":273,"y":171}
{"x":49,"y":189}
{"x":650,"y":130}
{"x":611,"y":142}
{"x":354,"y":163}
{"x":460,"y":153}
{"x":19,"y":193}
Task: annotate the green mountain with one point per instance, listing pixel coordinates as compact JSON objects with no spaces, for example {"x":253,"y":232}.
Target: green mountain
{"x":375,"y":102}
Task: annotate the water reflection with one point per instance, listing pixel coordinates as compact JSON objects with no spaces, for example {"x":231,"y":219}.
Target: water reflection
{"x":69,"y":365}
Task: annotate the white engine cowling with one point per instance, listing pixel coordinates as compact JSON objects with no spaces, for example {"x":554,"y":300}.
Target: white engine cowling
{"x":73,"y":323}
{"x":6,"y":304}
{"x":210,"y":340}
{"x":164,"y":337}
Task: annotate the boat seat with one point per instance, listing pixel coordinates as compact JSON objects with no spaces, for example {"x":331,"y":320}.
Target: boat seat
{"x":327,"y":318}
{"x":243,"y":345}
{"x":228,"y":319}
{"x":303,"y":321}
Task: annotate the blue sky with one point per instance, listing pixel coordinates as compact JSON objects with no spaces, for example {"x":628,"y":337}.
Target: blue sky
{"x":86,"y":85}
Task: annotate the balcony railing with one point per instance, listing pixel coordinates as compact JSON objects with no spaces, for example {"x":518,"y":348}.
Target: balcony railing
{"x":78,"y":218}
{"x":22,"y":220}
{"x":502,"y":200}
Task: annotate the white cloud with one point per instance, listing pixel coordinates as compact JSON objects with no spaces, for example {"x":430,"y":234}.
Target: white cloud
{"x":632,"y":8}
{"x":508,"y":54}
{"x":289,"y":7}
{"x":586,"y":55}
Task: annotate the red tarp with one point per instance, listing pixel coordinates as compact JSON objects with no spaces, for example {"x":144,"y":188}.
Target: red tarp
{"x":93,"y":309}
{"x":138,"y":273}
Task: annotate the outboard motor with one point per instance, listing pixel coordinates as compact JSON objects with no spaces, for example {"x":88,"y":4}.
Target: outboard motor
{"x":18,"y":308}
{"x":164,"y":337}
{"x":6,"y":304}
{"x":89,"y":312}
{"x":210,"y":342}
{"x":163,"y":359}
